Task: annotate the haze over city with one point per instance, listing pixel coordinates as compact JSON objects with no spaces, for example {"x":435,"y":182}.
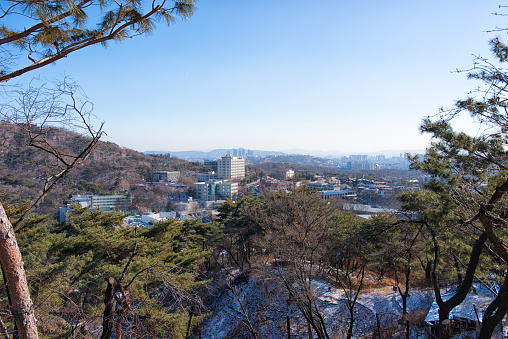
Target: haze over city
{"x":245,"y":173}
{"x":355,"y":77}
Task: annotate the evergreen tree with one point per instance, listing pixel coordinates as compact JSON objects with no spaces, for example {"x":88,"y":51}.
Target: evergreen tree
{"x":470,"y":179}
{"x":34,"y":34}
{"x":93,"y":272}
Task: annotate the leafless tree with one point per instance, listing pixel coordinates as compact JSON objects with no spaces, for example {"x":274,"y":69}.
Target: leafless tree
{"x":350,"y":279}
{"x":40,"y":111}
{"x":298,"y":226}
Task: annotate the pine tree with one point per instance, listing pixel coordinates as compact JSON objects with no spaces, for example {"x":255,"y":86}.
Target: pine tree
{"x":34,"y":34}
{"x":470,"y":176}
{"x":93,"y":272}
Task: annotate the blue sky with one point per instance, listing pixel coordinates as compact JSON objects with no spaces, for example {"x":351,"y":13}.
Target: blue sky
{"x":352,"y":76}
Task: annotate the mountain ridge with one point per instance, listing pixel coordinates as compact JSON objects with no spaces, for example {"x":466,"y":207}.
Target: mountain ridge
{"x":217,"y":153}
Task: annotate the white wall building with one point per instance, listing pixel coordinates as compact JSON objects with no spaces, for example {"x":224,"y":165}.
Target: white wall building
{"x":337,"y":194}
{"x":229,"y":167}
{"x":201,"y":177}
{"x":215,"y":189}
{"x":289,"y":174}
{"x":106,"y":203}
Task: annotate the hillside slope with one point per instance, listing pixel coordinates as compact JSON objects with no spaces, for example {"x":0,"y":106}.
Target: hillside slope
{"x":110,"y":169}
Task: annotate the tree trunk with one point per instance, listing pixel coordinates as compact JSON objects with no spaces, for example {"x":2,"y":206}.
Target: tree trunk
{"x":445,"y":307}
{"x":12,"y":265}
{"x":108,"y":317}
{"x":189,"y":322}
{"x":288,"y":323}
{"x":495,"y":312}
{"x":351,"y":322}
{"x":445,"y":329}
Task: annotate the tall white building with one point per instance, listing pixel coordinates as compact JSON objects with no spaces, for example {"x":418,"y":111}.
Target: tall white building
{"x":229,"y":167}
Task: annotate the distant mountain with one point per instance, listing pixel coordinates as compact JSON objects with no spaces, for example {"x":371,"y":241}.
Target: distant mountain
{"x":297,"y":159}
{"x":315,"y":153}
{"x":217,"y":153}
{"x":214,"y":154}
{"x":337,"y":154}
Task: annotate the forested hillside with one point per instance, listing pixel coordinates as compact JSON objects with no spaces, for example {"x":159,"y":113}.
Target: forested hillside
{"x":110,"y":168}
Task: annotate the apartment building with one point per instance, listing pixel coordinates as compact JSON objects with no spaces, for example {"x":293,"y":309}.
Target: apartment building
{"x":215,"y":189}
{"x":229,"y":167}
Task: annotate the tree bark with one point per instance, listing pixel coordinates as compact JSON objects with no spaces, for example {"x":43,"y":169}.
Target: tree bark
{"x":445,"y":307}
{"x":445,"y":329}
{"x":12,"y":265}
{"x":495,"y":312}
{"x":108,"y":317}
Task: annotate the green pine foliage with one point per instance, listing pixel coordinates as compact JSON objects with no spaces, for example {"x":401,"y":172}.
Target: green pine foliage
{"x":37,"y":33}
{"x":464,"y":203}
{"x":68,"y":265}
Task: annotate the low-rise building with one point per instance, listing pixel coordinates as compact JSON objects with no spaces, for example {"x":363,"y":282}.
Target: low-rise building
{"x":165,"y":176}
{"x":105,"y":203}
{"x":322,"y":185}
{"x":338,"y":194}
{"x":271,"y":183}
{"x":215,"y":189}
{"x":203,"y":177}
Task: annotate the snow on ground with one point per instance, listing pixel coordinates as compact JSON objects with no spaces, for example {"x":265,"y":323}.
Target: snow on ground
{"x":265,"y":307}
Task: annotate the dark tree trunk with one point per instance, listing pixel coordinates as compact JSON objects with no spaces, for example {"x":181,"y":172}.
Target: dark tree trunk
{"x":428,"y":272}
{"x":351,"y":323}
{"x":445,"y":307}
{"x":108,"y":317}
{"x":496,"y":311}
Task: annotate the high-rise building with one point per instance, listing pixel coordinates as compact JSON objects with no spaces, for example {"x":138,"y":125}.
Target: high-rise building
{"x":229,"y":167}
{"x":358,"y":157}
{"x":239,"y":152}
{"x":359,"y":165}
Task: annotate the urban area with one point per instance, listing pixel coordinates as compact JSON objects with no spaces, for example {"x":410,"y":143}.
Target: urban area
{"x":103,"y":238}
{"x":196,"y":195}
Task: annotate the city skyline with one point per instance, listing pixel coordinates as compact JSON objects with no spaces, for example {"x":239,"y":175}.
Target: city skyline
{"x":220,"y":152}
{"x":355,"y":77}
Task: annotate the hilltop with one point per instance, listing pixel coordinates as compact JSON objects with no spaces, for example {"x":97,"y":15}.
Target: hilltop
{"x":110,"y":169}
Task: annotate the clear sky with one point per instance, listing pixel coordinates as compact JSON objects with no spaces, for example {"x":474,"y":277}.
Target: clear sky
{"x":354,"y":76}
